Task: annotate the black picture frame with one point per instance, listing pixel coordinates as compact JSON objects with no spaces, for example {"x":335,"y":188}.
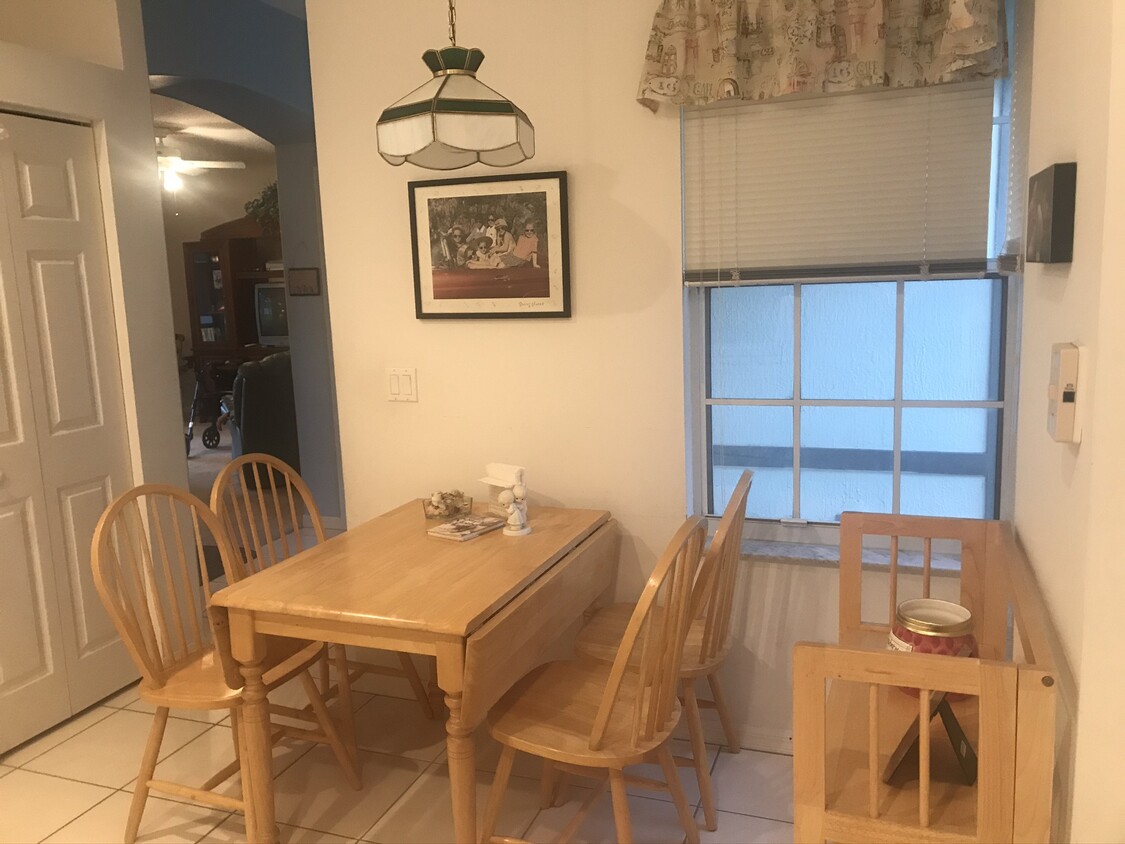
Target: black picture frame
{"x":1050,"y":215}
{"x":303,"y":281}
{"x":465,"y":268}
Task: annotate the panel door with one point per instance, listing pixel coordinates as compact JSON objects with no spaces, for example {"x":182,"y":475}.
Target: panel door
{"x":60,"y":265}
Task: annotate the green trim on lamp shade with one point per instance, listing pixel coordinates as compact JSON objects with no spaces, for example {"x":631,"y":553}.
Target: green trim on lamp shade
{"x":439,"y":105}
{"x":453,"y":58}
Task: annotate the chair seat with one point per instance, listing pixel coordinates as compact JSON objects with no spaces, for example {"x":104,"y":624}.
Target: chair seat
{"x":601,"y":635}
{"x":551,"y":712}
{"x":201,"y":684}
{"x":197,"y":684}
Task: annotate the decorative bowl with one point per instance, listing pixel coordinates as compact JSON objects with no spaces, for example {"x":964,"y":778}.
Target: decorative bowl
{"x":447,"y":505}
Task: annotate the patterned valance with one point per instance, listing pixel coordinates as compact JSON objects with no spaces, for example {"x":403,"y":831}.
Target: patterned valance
{"x":701,"y":51}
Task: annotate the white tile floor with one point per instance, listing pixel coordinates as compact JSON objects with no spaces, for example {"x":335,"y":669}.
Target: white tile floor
{"x":74,"y":784}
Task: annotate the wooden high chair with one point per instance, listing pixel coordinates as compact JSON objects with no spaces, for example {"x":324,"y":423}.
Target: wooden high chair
{"x":144,"y":551}
{"x":262,"y":500}
{"x":593,"y":719}
{"x":708,"y":638}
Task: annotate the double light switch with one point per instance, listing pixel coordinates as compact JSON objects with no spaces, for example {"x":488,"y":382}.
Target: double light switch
{"x":402,"y":384}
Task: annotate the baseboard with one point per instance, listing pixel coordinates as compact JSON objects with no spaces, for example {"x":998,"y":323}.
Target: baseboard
{"x":333,"y":523}
{"x":767,"y":742}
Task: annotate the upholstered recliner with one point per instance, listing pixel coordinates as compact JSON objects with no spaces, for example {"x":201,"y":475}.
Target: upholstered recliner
{"x":264,"y":414}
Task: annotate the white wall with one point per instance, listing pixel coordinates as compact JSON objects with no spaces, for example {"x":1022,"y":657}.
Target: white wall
{"x":592,"y":405}
{"x":81,"y":29}
{"x":310,"y":332}
{"x":1069,"y":498}
{"x":595,"y":407}
{"x":116,"y":103}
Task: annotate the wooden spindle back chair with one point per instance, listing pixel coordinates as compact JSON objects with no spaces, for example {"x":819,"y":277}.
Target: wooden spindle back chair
{"x":709,"y":637}
{"x":149,"y":569}
{"x":148,"y":555}
{"x":150,"y":572}
{"x":263,"y":503}
{"x":713,"y":596}
{"x":593,"y":718}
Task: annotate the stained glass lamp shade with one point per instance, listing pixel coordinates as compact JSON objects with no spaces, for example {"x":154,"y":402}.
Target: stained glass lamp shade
{"x":454,"y":120}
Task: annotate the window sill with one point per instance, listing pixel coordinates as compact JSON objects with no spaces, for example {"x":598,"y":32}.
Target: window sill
{"x":828,"y":556}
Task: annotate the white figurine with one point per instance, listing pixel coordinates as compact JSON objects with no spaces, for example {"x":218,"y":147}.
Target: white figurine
{"x":515,"y":502}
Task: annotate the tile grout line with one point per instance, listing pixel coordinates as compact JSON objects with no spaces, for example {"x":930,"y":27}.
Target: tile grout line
{"x":394,"y":802}
{"x":61,"y":743}
{"x":80,"y":814}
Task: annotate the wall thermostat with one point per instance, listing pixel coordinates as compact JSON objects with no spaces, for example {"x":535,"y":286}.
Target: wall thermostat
{"x":1062,"y":393}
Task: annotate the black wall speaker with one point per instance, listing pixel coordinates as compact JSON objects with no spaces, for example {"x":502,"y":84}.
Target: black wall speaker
{"x":1050,"y":215}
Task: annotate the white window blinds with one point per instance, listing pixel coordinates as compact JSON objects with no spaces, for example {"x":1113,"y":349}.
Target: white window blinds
{"x":891,"y":179}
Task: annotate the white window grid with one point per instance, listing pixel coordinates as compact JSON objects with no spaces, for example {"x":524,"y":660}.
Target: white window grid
{"x":697,"y":362}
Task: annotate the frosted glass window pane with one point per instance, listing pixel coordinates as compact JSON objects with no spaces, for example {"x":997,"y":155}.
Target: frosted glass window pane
{"x":752,"y":342}
{"x":847,"y":461}
{"x":951,"y":340}
{"x":848,"y":340}
{"x":955,"y":496}
{"x":949,"y":462}
{"x":758,"y":438}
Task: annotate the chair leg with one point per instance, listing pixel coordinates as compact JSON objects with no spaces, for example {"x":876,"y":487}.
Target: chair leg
{"x":235,"y":728}
{"x":547,"y":785}
{"x":344,"y":688}
{"x":733,"y":744}
{"x":699,"y":753}
{"x":497,"y":792}
{"x":411,"y":672}
{"x":325,"y":677}
{"x":347,"y":762}
{"x":148,"y":766}
{"x":672,"y":777}
{"x":620,"y":807}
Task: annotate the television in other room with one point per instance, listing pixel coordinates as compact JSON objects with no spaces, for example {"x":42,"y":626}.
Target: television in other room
{"x":269,"y":308}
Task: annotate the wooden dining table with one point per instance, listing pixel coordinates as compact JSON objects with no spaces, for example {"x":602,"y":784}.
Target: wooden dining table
{"x":487,"y":608}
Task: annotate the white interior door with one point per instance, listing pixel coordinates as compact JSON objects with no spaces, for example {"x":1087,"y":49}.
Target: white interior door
{"x":63,"y":443}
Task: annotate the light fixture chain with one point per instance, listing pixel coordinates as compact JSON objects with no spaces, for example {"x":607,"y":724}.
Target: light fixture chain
{"x":452,"y":23}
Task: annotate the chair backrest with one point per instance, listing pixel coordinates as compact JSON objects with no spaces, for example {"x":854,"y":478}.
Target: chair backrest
{"x":647,"y":664}
{"x":713,"y":596}
{"x":145,"y":548}
{"x":261,"y":501}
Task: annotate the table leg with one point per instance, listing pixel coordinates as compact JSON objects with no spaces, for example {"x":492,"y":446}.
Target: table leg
{"x":461,"y":752}
{"x":257,"y":755}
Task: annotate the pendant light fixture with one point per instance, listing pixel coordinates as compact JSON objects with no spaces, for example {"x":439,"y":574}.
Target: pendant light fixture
{"x":454,"y":120}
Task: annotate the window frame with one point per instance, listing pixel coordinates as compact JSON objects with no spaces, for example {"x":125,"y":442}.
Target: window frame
{"x":696,"y":357}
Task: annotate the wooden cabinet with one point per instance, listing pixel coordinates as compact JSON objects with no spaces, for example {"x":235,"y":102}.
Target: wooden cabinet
{"x":221,"y":274}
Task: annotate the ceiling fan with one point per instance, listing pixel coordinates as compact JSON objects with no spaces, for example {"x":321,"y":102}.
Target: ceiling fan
{"x":173,"y":166}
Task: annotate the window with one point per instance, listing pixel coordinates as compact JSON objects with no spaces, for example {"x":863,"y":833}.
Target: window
{"x":848,"y":328}
{"x":877,"y":395}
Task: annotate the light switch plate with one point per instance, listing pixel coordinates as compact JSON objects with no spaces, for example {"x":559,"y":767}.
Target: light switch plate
{"x":402,"y":384}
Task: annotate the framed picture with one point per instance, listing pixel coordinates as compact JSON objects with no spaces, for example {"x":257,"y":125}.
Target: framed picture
{"x":303,"y":281}
{"x":491,"y":246}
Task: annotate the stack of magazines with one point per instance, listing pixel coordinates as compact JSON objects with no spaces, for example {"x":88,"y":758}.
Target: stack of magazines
{"x":466,"y":527}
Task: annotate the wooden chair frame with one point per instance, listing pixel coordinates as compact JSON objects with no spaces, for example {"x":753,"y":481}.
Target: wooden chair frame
{"x":712,"y":605}
{"x":264,"y":535}
{"x":638,"y":700}
{"x":142,"y":559}
{"x":842,"y":739}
